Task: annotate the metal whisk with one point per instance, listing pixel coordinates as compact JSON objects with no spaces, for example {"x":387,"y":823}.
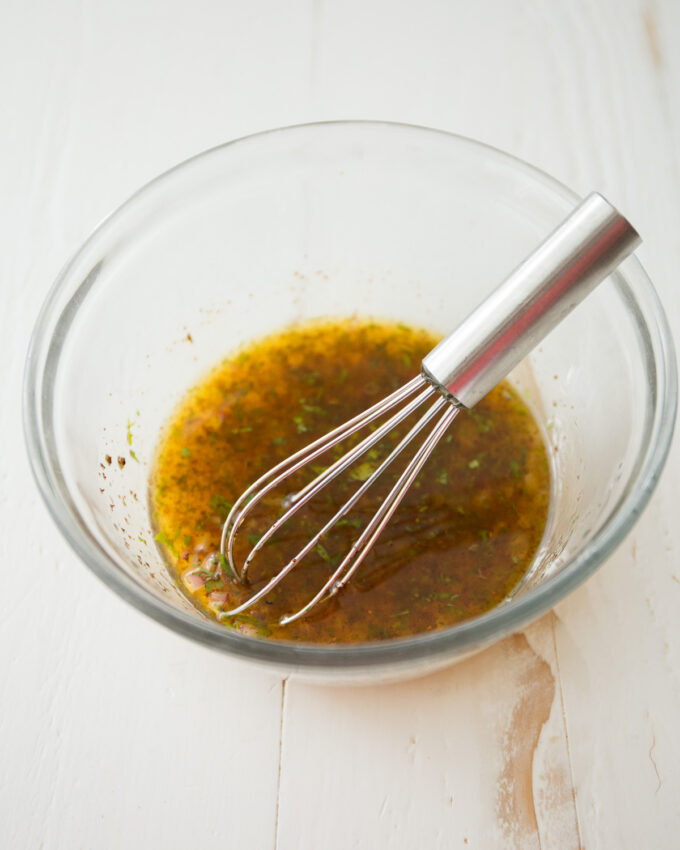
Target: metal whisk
{"x":461,"y":370}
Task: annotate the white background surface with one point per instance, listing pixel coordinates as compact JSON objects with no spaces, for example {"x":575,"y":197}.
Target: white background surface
{"x":115,"y":733}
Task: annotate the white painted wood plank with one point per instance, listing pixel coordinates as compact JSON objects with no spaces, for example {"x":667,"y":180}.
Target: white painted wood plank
{"x":113,"y":732}
{"x":473,"y":755}
{"x":118,"y":734}
{"x":619,"y":637}
{"x":572,"y":87}
{"x":97,"y":742}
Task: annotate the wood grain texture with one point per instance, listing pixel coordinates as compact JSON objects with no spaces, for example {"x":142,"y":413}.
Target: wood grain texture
{"x":116,"y":733}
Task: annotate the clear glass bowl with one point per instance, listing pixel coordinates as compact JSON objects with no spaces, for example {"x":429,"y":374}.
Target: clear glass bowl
{"x":333,"y":219}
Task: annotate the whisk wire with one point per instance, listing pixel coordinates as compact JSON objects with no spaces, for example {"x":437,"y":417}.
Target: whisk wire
{"x":354,"y":498}
{"x":258,"y":489}
{"x":329,"y":474}
{"x":367,"y":539}
{"x":397,"y":493}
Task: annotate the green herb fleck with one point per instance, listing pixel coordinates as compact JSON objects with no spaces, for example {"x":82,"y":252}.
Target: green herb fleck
{"x":142,"y":540}
{"x":215,"y":583}
{"x":185,"y":452}
{"x":226,"y":566}
{"x":405,"y":359}
{"x":515,"y":559}
{"x":279,"y":441}
{"x":514,"y":469}
{"x":187,"y":539}
{"x":246,"y":618}
{"x":254,"y":538}
{"x":363,"y":471}
{"x":129,"y":432}
{"x":354,"y":522}
{"x":134,"y":456}
{"x":262,"y":628}
{"x":443,"y":477}
{"x":221,"y":506}
{"x":322,"y":552}
{"x":300,"y":424}
{"x":163,"y":538}
{"x":484,"y":424}
{"x":474,"y":464}
{"x":343,"y":376}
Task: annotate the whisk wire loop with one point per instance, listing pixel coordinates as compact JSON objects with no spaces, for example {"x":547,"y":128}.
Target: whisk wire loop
{"x":323,"y":479}
{"x":345,"y":508}
{"x":300,"y":499}
{"x":260,"y":488}
{"x":367,"y":539}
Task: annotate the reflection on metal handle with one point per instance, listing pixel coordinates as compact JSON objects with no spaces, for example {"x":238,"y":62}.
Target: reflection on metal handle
{"x":541,"y":291}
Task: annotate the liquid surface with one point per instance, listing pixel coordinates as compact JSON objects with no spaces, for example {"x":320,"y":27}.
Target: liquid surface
{"x":460,"y":541}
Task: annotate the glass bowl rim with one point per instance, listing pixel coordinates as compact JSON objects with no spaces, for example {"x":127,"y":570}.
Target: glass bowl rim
{"x":466,"y":636}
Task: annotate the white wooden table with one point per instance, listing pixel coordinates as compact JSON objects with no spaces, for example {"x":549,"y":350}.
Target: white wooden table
{"x":115,"y":733}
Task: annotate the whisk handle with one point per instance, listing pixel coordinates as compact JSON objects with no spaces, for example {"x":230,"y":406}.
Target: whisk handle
{"x":531,"y":301}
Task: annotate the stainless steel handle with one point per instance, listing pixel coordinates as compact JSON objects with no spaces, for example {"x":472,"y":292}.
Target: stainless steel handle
{"x":542,"y":290}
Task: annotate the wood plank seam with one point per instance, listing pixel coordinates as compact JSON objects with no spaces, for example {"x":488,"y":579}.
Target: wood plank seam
{"x":554,"y":619}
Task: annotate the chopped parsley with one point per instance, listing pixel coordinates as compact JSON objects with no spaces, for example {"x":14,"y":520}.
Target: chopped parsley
{"x":353,"y":522}
{"x":322,"y":552}
{"x":221,"y":506}
{"x":300,"y":424}
{"x":363,"y":471}
{"x":163,"y":538}
{"x":226,"y":566}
